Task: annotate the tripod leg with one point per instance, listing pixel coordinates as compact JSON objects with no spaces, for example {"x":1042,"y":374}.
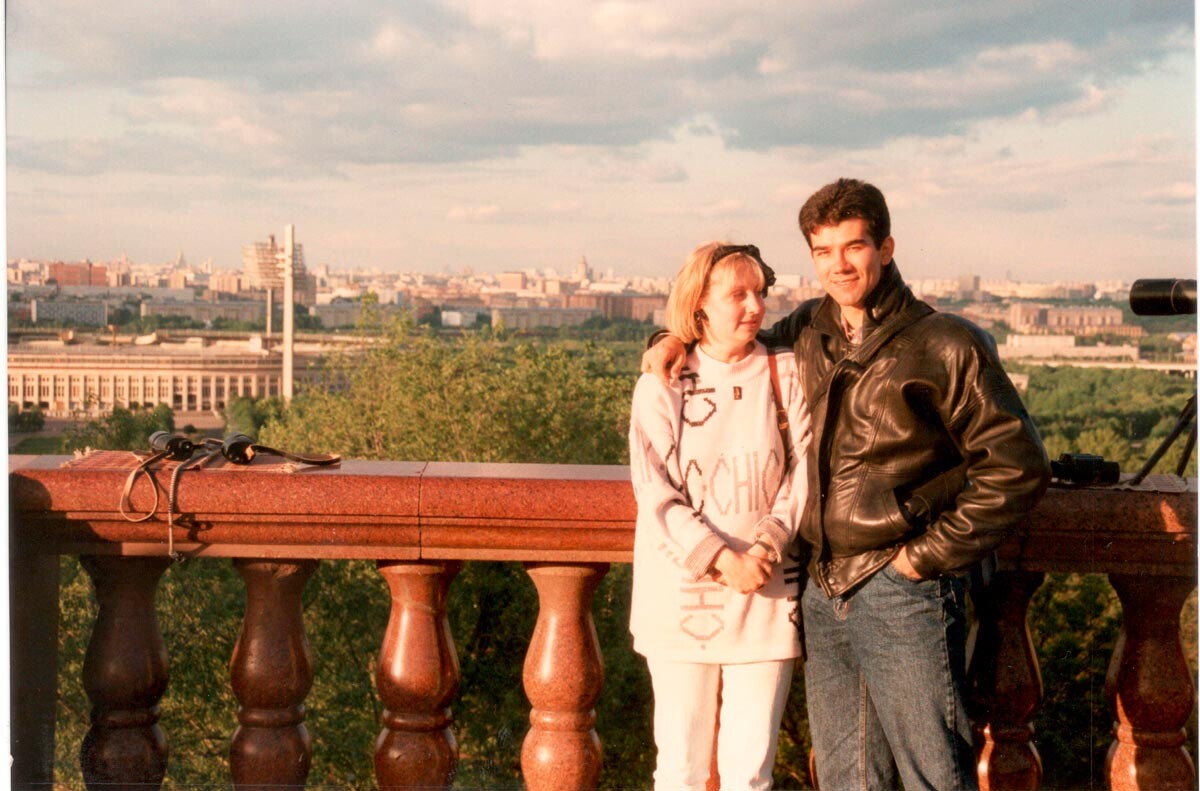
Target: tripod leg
{"x":1186,"y":416}
{"x":1187,"y":452}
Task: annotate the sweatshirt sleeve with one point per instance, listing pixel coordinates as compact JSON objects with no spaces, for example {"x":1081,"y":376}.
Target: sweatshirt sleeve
{"x":779,"y":527}
{"x":663,"y":505}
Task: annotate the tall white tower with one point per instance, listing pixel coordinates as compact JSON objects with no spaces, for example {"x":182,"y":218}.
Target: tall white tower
{"x":289,"y":311}
{"x":273,"y":267}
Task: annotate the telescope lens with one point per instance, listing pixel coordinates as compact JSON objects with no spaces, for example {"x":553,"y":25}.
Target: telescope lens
{"x":1163,"y":297}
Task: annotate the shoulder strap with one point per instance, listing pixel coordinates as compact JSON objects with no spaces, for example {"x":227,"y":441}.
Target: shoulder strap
{"x":318,"y":460}
{"x":780,"y":413}
{"x":241,"y":449}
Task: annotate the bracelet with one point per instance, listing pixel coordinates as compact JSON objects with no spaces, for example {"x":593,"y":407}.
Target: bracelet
{"x":771,"y":554}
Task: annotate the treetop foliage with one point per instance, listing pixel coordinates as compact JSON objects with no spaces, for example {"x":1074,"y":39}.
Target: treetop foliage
{"x":1120,"y":414}
{"x":474,"y":399}
{"x":122,"y":429}
{"x":24,"y":422}
{"x":248,"y":416}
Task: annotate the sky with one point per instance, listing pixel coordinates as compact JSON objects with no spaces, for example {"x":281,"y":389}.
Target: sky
{"x":1039,"y":139}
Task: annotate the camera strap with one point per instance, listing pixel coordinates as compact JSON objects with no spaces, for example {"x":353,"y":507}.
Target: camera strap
{"x":240,"y":449}
{"x":781,"y":415}
{"x":173,"y":492}
{"x":316,"y":460}
{"x":142,"y":468}
{"x":214,"y":448}
{"x":237,"y":449}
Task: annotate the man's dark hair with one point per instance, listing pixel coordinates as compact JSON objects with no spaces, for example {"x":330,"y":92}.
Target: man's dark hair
{"x":847,"y":199}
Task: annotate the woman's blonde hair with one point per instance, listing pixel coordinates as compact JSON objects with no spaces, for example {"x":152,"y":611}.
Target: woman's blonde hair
{"x":692,"y":283}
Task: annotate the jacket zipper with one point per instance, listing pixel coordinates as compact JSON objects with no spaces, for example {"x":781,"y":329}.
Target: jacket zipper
{"x":824,"y":474}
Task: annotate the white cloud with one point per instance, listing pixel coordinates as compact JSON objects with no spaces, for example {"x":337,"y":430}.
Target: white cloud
{"x":717,"y":209}
{"x":472,"y":213}
{"x":670,"y":29}
{"x":246,"y":132}
{"x":722,"y":208}
{"x":1091,"y":102}
{"x":1179,"y":192}
{"x":473,"y":80}
{"x":392,"y":40}
{"x":944,"y":146}
{"x":1042,"y":56}
{"x":666,"y":118}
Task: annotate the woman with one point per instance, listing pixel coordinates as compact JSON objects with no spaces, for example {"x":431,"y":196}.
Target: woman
{"x":719,"y":477}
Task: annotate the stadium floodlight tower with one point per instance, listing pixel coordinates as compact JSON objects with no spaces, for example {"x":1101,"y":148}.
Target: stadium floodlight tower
{"x":289,"y":311}
{"x":272,"y":267}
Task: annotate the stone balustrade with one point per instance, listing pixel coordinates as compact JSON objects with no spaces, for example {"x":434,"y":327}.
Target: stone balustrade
{"x":419,"y":521}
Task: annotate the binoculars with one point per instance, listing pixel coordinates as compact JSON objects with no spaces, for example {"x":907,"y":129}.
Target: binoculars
{"x":236,"y":448}
{"x":176,"y":446}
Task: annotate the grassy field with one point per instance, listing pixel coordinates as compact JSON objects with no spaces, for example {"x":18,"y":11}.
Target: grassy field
{"x":38,"y":444}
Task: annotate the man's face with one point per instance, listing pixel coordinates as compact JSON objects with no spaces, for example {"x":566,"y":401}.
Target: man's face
{"x":848,"y":263}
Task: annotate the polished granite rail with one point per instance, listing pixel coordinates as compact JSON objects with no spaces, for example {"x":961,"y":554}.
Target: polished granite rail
{"x":419,"y":521}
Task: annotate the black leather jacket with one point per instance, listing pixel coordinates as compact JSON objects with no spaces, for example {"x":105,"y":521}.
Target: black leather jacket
{"x":918,"y":404}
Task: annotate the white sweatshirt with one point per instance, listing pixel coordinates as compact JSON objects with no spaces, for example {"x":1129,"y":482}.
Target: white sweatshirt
{"x":706,"y":459}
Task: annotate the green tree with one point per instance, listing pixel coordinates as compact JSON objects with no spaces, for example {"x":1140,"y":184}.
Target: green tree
{"x":122,"y":316}
{"x":476,"y":400}
{"x":1074,"y":620}
{"x":1118,"y":413}
{"x":25,"y":422}
{"x":416,"y":398}
{"x":248,"y":415}
{"x":122,"y":429}
{"x":307,"y":321}
{"x":599,"y":328}
{"x":148,"y":324}
{"x":239,"y":325}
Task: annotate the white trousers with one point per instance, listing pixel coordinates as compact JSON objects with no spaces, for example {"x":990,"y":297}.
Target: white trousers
{"x":685,"y":713}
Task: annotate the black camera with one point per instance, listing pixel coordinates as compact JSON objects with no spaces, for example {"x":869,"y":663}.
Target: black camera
{"x":1083,"y":469}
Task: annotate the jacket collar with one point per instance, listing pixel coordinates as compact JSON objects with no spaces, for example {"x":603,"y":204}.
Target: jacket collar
{"x":890,"y":296}
{"x":891,"y":308}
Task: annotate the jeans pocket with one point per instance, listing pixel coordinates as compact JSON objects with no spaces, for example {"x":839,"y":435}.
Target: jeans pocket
{"x":892,"y":573}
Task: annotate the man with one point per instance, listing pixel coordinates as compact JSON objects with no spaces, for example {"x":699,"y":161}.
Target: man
{"x":905,"y":402}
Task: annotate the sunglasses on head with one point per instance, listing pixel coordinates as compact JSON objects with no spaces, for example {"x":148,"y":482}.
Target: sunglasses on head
{"x":726,"y":250}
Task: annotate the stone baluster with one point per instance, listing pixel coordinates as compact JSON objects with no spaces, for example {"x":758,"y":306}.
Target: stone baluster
{"x":271,"y":673}
{"x":1005,"y":684}
{"x":563,"y":677}
{"x":33,"y":663}
{"x":417,"y":677}
{"x":125,"y":675}
{"x":1149,"y":687}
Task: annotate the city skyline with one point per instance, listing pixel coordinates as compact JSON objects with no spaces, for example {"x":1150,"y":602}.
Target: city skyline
{"x":1009,"y":137}
{"x":365,"y":275}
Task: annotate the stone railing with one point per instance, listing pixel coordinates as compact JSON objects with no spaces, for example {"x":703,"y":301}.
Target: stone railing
{"x":419,"y":521}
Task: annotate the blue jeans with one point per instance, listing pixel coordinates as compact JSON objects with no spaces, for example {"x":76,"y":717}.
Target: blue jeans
{"x":885,"y":680}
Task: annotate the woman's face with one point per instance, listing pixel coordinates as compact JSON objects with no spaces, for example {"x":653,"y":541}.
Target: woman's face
{"x":733,"y":305}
